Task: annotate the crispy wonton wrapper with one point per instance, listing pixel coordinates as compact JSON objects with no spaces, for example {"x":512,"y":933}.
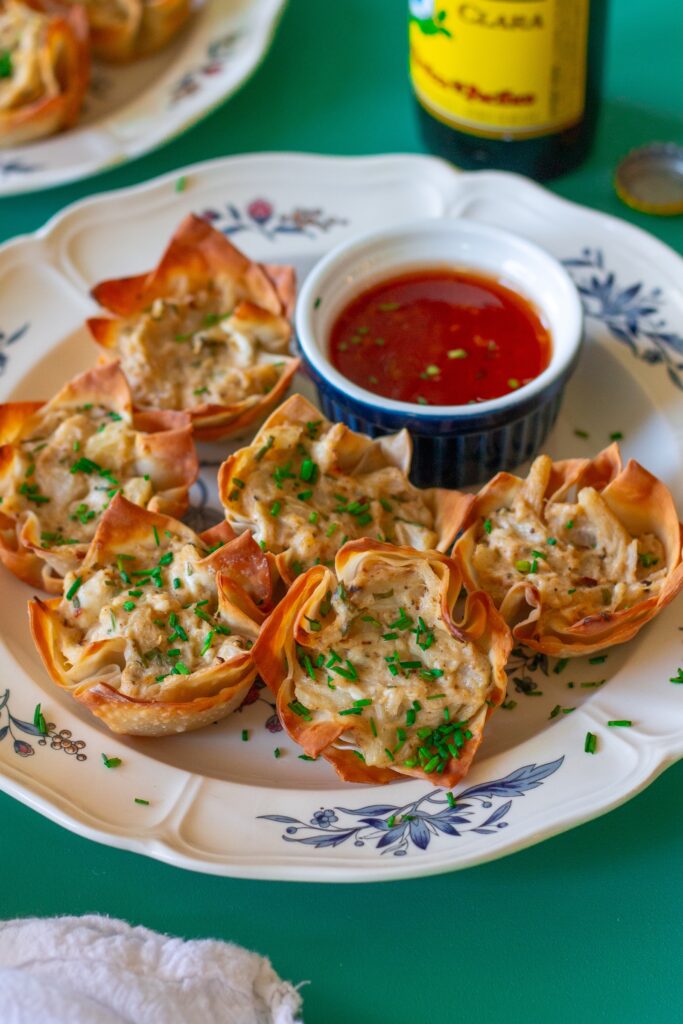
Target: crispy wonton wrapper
{"x":240,"y":577}
{"x":352,"y":455}
{"x":634,"y":504}
{"x":49,"y":68}
{"x":163,"y":450}
{"x":342,"y":616}
{"x":260,"y":297}
{"x":122,"y":32}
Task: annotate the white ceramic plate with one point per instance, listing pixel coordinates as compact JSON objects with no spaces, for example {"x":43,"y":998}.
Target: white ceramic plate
{"x":221,"y":805}
{"x":133,"y":109}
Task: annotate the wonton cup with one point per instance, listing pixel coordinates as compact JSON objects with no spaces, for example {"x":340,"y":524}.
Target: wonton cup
{"x":205,"y":300}
{"x":103,"y":640}
{"x":364,"y":661}
{"x":597,"y":555}
{"x":45,"y":524}
{"x":46,"y":48}
{"x":123,"y":31}
{"x":372,"y":474}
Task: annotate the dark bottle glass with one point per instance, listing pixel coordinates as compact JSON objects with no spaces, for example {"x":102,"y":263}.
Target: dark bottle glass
{"x":508,"y":84}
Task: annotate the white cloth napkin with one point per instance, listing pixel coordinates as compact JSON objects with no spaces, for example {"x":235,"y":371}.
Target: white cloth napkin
{"x":97,"y":970}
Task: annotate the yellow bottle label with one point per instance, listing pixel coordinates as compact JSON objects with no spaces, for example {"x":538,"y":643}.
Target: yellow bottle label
{"x":501,"y":68}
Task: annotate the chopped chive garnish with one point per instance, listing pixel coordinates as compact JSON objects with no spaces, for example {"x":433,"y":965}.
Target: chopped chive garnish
{"x":591,"y":743}
{"x":110,"y":762}
{"x":276,"y":752}
{"x":304,"y":495}
{"x":299,"y":709}
{"x":625,"y":722}
{"x":266,"y":448}
{"x":488,"y":525}
{"x":128,"y":606}
{"x":616,"y":436}
{"x":207,"y":643}
{"x":678,"y":678}
{"x":180,"y":669}
{"x":561,"y":666}
{"x":569,"y":525}
{"x":177,"y":583}
{"x":555,"y":712}
{"x":582,"y":433}
{"x":181,"y":184}
{"x":508,"y":705}
{"x":457,"y":353}
{"x":245,"y":735}
{"x":309,"y":471}
{"x":523,"y":566}
{"x":139,"y":800}
{"x":275,"y":508}
{"x":156,"y":536}
{"x":74,"y":588}
{"x":346,"y":673}
{"x":598,"y":659}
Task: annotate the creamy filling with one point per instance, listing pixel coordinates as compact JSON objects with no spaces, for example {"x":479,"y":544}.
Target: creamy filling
{"x":162,"y":604}
{"x":577,"y":555}
{"x":70,"y":467}
{"x":27,"y":72}
{"x":382,"y":662}
{"x":295,"y":498}
{"x":189,"y":353}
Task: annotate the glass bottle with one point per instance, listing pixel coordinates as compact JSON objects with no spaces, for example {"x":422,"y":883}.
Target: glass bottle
{"x":508,"y":84}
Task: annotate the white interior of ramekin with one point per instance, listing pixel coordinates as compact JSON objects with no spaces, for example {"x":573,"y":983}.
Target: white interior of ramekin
{"x":359,"y":264}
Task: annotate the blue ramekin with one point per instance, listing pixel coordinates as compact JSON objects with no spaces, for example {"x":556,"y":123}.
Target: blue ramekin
{"x":454,"y":446}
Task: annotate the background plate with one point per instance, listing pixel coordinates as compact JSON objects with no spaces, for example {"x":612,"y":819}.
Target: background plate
{"x":219,"y":805}
{"x":134,"y":108}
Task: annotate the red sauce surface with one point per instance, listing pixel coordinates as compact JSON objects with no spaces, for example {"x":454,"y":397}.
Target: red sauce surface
{"x":440,"y":337}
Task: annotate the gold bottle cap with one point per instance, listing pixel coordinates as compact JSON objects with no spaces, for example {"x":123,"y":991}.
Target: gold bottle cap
{"x":650,"y":179}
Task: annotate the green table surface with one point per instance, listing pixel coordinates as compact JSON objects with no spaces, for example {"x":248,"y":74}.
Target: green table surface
{"x":585,"y":926}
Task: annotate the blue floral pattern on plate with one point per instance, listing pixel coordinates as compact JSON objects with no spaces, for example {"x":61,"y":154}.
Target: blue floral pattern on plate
{"x":400,"y":829}
{"x":10,"y":339}
{"x":261,"y":215}
{"x":631,"y":313}
{"x":43,"y":730}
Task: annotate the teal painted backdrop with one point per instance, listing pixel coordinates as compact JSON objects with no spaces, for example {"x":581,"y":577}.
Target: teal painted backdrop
{"x":586,"y":926}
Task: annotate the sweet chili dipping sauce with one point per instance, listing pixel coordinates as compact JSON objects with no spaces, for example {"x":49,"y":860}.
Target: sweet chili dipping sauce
{"x":440,"y":337}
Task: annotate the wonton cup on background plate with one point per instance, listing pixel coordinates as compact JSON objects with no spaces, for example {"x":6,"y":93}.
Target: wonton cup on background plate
{"x":372,"y":673}
{"x":207,"y":331}
{"x":46,"y":68}
{"x":154,"y":634}
{"x":62,"y":462}
{"x":123,"y":30}
{"x":578,"y":556}
{"x":304,"y":486}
